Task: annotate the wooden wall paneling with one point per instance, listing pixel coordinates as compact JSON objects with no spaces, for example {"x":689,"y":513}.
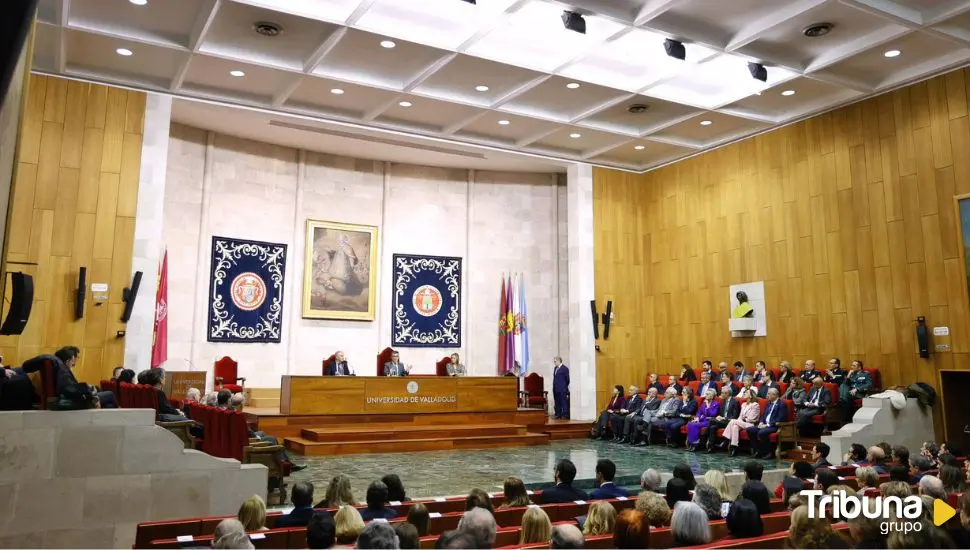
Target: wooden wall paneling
{"x":73,"y":205}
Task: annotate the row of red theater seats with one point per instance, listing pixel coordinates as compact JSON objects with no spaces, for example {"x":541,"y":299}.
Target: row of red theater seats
{"x":776,"y":371}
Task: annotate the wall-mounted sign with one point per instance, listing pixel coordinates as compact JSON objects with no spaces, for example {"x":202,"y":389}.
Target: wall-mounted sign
{"x":99,"y":292}
{"x":941,"y":331}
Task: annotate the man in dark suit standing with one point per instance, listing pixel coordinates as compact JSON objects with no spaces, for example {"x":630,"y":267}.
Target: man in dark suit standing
{"x":563,"y":491}
{"x":622,"y":419}
{"x":818,"y":399}
{"x":775,"y":412}
{"x":302,"y":496}
{"x":730,"y":410}
{"x":560,"y":388}
{"x":394,"y":367}
{"x":605,"y":472}
{"x":339,"y":366}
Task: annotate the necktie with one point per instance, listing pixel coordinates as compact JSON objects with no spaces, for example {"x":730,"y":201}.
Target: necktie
{"x":771,"y":409}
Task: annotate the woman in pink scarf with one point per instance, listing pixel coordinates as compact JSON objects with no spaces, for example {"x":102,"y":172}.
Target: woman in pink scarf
{"x":750,"y":414}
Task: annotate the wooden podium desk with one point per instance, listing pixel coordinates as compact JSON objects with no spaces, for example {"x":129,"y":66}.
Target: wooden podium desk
{"x":397,"y":395}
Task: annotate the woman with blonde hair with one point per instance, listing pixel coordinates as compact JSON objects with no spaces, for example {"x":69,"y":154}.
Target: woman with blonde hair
{"x":600,"y":519}
{"x":338,"y":493}
{"x":515,"y":493}
{"x":717,"y":479}
{"x":252,"y":514}
{"x":749,"y":416}
{"x":654,"y":508}
{"x":347,"y":525}
{"x":536,"y":527}
{"x":808,"y":532}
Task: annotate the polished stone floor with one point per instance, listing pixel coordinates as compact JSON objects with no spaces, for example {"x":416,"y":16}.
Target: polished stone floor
{"x":444,"y":473}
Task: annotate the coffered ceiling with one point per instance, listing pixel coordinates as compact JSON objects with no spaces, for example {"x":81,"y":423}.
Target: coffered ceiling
{"x":507,"y":73}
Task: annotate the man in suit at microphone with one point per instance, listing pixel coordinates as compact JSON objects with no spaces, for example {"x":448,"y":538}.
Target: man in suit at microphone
{"x":560,"y":387}
{"x":394,"y":367}
{"x":339,"y":366}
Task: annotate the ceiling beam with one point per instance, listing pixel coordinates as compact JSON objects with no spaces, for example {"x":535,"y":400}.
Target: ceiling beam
{"x":529,"y":140}
{"x":516,"y":92}
{"x":323,"y":49}
{"x":889,"y":10}
{"x":602,"y":107}
{"x":450,"y":130}
{"x":857,"y":46}
{"x":203,"y":22}
{"x":763,"y":26}
{"x":283,"y":95}
{"x":429,"y":71}
{"x":600,"y":150}
{"x":651,"y":10}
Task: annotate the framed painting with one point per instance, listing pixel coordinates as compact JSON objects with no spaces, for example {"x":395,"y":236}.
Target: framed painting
{"x":340,"y":271}
{"x":962,"y":203}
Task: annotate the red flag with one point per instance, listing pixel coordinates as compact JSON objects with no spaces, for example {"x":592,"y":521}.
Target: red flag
{"x":502,"y":340}
{"x":160,"y":336}
{"x":509,"y":326}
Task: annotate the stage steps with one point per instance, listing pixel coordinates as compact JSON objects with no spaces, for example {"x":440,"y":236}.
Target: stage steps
{"x":566,"y":429}
{"x":341,"y":440}
{"x":263,"y":397}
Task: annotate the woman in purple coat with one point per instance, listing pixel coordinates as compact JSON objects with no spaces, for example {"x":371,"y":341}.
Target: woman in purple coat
{"x":705,"y":412}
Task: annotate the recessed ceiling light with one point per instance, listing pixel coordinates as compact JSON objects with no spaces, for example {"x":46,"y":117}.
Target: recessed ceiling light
{"x":481,"y":88}
{"x":123,"y":51}
{"x":138,"y":2}
{"x":706,"y":123}
{"x":572,"y":85}
{"x":575,"y":136}
{"x":387,"y":44}
{"x":237,"y":73}
{"x":787,"y":93}
{"x":503,"y":122}
{"x":640,"y":147}
{"x":336,"y":91}
{"x":892,"y":53}
{"x":405,"y":103}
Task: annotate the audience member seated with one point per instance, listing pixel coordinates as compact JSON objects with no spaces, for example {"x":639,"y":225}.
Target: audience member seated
{"x":376,"y":499}
{"x":743,"y":520}
{"x":856,"y":456}
{"x":835,"y":374}
{"x":478,"y":498}
{"x":796,"y":393}
{"x":605,"y":472}
{"x":825,"y":478}
{"x":252,"y":514}
{"x":418,"y":517}
{"x":631,"y":530}
{"x":961,"y":533}
{"x":378,"y":535}
{"x":302,"y":497}
{"x":919,"y":467}
{"x":791,"y":487}
{"x":338,"y":493}
{"x":686,"y":374}
{"x":407,"y":535}
{"x":820,"y":454}
{"x":654,"y":382}
{"x":193,"y":395}
{"x":683,"y":471}
{"x":689,"y":525}
{"x":227,"y":527}
{"x":722,"y":369}
{"x":876,"y":457}
{"x":707,"y":411}
{"x":223,"y":398}
{"x":650,"y":480}
{"x":898,"y":472}
{"x":600,"y":519}
{"x":395,"y":488}
{"x":616,"y":403}
{"x":716,"y":478}
{"x":127,"y":376}
{"x":66,"y":361}
{"x":672,"y":383}
{"x":624,"y":419}
{"x":348,"y":524}
{"x":953,"y":479}
{"x":761,"y":373}
{"x":896,"y":489}
{"x":566,"y":536}
{"x":800,"y":470}
{"x":819,"y":397}
{"x":233,"y":541}
{"x":753,"y":470}
{"x":809,"y":374}
{"x":677,"y":491}
{"x":857,"y":384}
{"x":515,"y":493}
{"x":932,"y":487}
{"x":866,"y":532}
{"x":536,"y":526}
{"x":166,"y":412}
{"x":927,"y":535}
{"x":748,"y":417}
{"x":16,"y":390}
{"x":321,"y":531}
{"x":654,"y":508}
{"x":480,"y":525}
{"x":806,"y":532}
{"x":668,"y":409}
{"x":709,"y":500}
{"x":564,"y":491}
{"x":706,"y":383}
{"x":688,"y":410}
{"x":756,"y":492}
{"x":730,"y":410}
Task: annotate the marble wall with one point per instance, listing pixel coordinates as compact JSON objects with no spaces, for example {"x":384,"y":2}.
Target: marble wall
{"x":498,"y":222}
{"x":86,"y":479}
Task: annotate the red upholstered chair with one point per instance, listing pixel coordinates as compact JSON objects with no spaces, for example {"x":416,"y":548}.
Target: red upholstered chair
{"x":441,"y":367}
{"x":535,"y":396}
{"x":327,"y":362}
{"x":694,"y":385}
{"x":48,"y":384}
{"x":383,"y":357}
{"x":226,"y":370}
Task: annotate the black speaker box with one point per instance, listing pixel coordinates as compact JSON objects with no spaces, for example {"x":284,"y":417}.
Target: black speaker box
{"x":129,"y":296}
{"x":596,"y":320}
{"x":22,"y":286}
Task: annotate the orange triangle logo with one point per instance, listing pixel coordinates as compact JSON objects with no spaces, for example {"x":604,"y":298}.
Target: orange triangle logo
{"x":942,"y":512}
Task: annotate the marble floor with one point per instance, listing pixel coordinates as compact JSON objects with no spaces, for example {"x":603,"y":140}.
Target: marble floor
{"x":445,"y":473}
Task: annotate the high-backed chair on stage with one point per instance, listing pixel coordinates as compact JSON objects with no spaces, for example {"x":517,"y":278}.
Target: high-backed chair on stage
{"x":327,"y":362}
{"x":535,"y":396}
{"x":383,"y":357}
{"x":441,"y":367}
{"x":226,"y":370}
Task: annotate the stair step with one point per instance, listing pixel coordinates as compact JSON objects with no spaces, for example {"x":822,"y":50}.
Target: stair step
{"x":400,"y":432}
{"x":316,"y":448}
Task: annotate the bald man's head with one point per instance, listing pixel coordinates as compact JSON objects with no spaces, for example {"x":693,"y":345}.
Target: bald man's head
{"x":566,"y":536}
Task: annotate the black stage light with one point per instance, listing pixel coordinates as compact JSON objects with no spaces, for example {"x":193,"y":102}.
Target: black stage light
{"x":574,"y":21}
{"x":675,"y":49}
{"x":758,"y":71}
{"x":470,"y":1}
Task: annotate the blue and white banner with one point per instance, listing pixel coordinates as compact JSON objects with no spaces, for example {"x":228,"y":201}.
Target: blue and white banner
{"x":427,"y":301}
{"x":246,"y":291}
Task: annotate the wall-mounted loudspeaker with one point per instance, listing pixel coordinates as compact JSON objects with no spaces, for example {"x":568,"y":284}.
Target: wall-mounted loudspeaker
{"x":22,"y":286}
{"x":596,"y":320}
{"x":923,"y":337}
{"x":129,"y":295}
{"x":82,"y":278}
{"x":606,"y":320}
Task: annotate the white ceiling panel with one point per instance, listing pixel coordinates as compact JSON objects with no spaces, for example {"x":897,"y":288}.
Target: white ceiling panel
{"x":578,"y":141}
{"x":359,"y":57}
{"x":793,"y":99}
{"x":504,"y":128}
{"x":87,"y":53}
{"x":618,"y":118}
{"x":722,"y":126}
{"x":151,"y":22}
{"x":554,"y":99}
{"x":721,"y":80}
{"x":463,"y":77}
{"x":643,"y":152}
{"x":322,"y":94}
{"x":714,"y":22}
{"x":426,"y":114}
{"x":442,"y":23}
{"x":215,"y":76}
{"x":332,"y":11}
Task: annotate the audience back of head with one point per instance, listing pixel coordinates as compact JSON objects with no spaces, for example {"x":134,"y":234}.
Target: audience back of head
{"x":302,"y":494}
{"x":376,"y":494}
{"x":321,"y":531}
{"x":677,"y":491}
{"x":480,"y":524}
{"x":565,"y":471}
{"x":377,"y":535}
{"x":650,"y":480}
{"x":683,"y":471}
{"x":418,"y":516}
{"x":478,"y":498}
{"x":743,"y":520}
{"x":689,"y":525}
{"x":631,"y":530}
{"x":395,"y":488}
{"x":756,"y":492}
{"x":566,"y":536}
{"x":407,"y":536}
{"x":753,"y":471}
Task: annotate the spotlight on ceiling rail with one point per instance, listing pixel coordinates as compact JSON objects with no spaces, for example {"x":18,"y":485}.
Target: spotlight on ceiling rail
{"x":758,"y":71}
{"x":574,"y":21}
{"x":675,"y":49}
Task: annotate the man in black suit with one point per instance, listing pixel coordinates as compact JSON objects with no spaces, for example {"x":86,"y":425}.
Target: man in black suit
{"x":622,"y":419}
{"x":339,"y":366}
{"x":819,"y":398}
{"x":394,"y":367}
{"x":564,"y":490}
{"x":730,"y":410}
{"x":654,"y":383}
{"x":672,"y":383}
{"x":808,"y":372}
{"x":706,"y":383}
{"x":16,"y":391}
{"x":376,"y":499}
{"x":65,"y":376}
{"x":302,"y":496}
{"x":820,"y":454}
{"x":775,"y":411}
{"x":765,"y":386}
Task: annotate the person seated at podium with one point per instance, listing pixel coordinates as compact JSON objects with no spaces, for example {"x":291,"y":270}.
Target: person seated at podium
{"x":339,"y":366}
{"x":394,"y":367}
{"x":376,"y":499}
{"x":455,"y":368}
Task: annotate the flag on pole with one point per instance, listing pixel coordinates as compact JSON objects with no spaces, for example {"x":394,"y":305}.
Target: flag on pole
{"x":517,"y":321}
{"x":502,"y":342}
{"x":523,"y":346}
{"x":160,"y":333}
{"x":509,"y":326}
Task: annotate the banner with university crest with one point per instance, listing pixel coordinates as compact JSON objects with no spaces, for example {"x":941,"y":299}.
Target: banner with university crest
{"x":246,"y":291}
{"x":427,"y":301}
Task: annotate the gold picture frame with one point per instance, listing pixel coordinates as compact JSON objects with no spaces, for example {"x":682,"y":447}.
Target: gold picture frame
{"x":340,"y":271}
